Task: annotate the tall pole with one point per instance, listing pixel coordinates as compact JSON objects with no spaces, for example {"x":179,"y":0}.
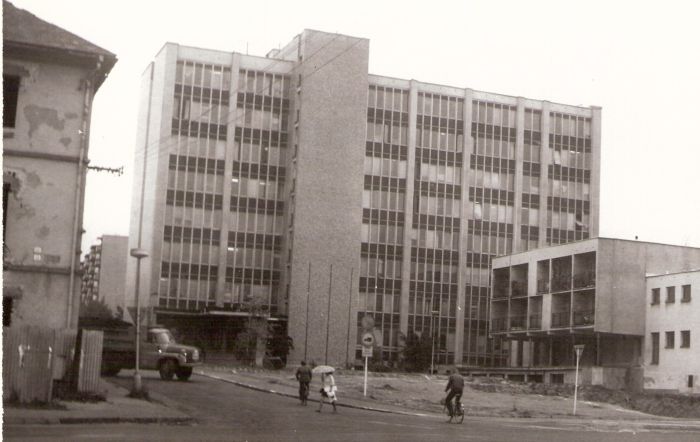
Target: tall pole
{"x":328,"y":316}
{"x":139,"y":254}
{"x":347,"y":349}
{"x":308,"y":295}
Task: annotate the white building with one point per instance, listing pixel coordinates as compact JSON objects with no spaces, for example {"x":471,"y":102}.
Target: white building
{"x":671,"y":358}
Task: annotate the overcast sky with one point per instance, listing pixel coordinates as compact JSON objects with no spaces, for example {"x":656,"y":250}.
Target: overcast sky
{"x":639,"y":60}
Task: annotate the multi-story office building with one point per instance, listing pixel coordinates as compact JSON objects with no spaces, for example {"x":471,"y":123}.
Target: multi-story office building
{"x":592,"y":293}
{"x":321,"y":194}
{"x":104,"y":273}
{"x":671,"y":358}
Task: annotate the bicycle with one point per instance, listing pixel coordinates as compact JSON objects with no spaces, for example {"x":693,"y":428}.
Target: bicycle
{"x":458,"y":414}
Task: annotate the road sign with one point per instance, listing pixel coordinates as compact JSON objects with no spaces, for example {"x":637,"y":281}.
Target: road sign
{"x":367,"y":352}
{"x":368,"y":340}
{"x":367,"y":322}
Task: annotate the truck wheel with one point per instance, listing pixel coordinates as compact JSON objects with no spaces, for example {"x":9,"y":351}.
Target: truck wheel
{"x":183,"y":373}
{"x":167,"y":369}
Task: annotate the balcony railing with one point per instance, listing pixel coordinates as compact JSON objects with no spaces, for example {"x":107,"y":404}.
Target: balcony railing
{"x":518,"y":322}
{"x":584,"y":280}
{"x":560,"y":319}
{"x":498,"y":324}
{"x":500,"y":290}
{"x":535,"y":321}
{"x":561,"y":283}
{"x":518,"y":288}
{"x":542,"y":286}
{"x":584,"y":317}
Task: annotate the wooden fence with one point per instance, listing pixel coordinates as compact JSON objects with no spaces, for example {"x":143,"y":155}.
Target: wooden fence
{"x":33,"y":357}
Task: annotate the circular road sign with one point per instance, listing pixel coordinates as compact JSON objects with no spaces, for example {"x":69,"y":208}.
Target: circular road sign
{"x":367,"y":340}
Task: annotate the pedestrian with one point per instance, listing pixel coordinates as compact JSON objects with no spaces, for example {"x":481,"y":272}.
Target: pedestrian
{"x":304,"y":376}
{"x":328,"y":391}
{"x":455,"y":386}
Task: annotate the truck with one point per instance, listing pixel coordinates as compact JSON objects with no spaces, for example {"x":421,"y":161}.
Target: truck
{"x":158,"y":350}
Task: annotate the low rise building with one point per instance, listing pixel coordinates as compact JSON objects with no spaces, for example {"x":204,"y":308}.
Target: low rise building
{"x":590,"y":293}
{"x":671,"y":358}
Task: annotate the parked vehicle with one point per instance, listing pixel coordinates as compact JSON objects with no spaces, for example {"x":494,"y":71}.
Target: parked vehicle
{"x":158,"y":351}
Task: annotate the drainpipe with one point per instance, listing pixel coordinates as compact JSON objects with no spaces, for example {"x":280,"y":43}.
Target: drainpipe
{"x":88,"y":84}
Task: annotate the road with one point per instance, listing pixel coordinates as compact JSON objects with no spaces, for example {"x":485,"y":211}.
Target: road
{"x":225,"y":412}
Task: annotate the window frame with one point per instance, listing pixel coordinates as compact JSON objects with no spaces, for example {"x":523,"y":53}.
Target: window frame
{"x":685,"y":292}
{"x":685,"y":339}
{"x":670,"y":338}
{"x":671,"y":294}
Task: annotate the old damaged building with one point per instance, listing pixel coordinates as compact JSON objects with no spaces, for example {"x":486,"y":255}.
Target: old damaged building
{"x":50,"y":77}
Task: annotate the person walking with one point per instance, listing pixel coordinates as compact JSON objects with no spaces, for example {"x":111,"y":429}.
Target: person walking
{"x":455,"y":386}
{"x":304,"y":376}
{"x":328,"y":390}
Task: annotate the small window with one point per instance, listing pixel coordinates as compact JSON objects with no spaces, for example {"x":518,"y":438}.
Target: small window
{"x":670,"y":295}
{"x":655,"y":296}
{"x":690,"y":381}
{"x":685,"y":339}
{"x":670,"y":339}
{"x":686,"y":293}
{"x":10,"y":90}
{"x":655,"y":349}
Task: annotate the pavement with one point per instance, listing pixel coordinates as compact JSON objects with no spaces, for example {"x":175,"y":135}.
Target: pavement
{"x":119,"y":408}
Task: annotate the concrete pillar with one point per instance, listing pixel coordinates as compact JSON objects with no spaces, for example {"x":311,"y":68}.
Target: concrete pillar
{"x":545,"y":161}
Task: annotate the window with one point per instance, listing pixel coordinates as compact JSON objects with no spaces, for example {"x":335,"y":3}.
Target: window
{"x":655,"y":296}
{"x":655,"y":349}
{"x":670,"y":295}
{"x":685,"y":338}
{"x":670,"y":339}
{"x":10,"y":91}
{"x":690,"y":381}
{"x":686,"y":293}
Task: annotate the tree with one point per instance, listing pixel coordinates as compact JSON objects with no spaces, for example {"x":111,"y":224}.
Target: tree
{"x":416,"y":353}
{"x":95,"y":308}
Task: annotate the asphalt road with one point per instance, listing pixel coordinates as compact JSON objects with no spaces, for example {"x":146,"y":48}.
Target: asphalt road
{"x":225,"y":412}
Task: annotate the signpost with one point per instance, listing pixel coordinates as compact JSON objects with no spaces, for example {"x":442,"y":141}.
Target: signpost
{"x":367,"y":347}
{"x":579,"y":350}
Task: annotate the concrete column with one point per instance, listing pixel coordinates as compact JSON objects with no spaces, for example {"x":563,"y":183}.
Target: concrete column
{"x":518,"y":189}
{"x":408,"y":207}
{"x":595,"y":171}
{"x":545,"y":161}
{"x":228,"y":170}
{"x":462,"y":277}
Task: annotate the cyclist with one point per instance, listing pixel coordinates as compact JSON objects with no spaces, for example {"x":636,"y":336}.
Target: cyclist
{"x":455,"y":386}
{"x":303,"y":375}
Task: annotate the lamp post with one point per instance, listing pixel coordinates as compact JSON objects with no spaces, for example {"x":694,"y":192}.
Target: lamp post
{"x":579,"y":350}
{"x":139,"y":254}
{"x":433,"y":314}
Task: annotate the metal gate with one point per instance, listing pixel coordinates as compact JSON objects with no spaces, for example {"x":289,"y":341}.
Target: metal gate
{"x":27,"y":363}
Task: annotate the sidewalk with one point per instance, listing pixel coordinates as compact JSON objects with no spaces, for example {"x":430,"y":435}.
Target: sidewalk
{"x":117,"y":408}
{"x":603,"y":417}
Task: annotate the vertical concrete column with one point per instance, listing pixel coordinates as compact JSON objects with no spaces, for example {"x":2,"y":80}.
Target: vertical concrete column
{"x":519,"y":157}
{"x":408,"y":207}
{"x":467,"y":149}
{"x":545,"y":161}
{"x":228,"y":170}
{"x":595,"y":170}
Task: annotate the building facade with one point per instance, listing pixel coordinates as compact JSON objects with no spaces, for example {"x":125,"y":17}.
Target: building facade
{"x":671,"y":358}
{"x":104,"y":273}
{"x":300,"y":186}
{"x":50,"y":77}
{"x":588,"y":293}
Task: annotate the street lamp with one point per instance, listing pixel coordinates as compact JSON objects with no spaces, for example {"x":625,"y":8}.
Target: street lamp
{"x":579,"y":350}
{"x":433,"y":314}
{"x":139,"y":254}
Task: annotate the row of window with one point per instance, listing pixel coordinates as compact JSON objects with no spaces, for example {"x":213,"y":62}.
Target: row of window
{"x":670,"y":294}
{"x":669,"y":344}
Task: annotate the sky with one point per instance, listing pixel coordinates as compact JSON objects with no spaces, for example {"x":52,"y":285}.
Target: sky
{"x":638,"y":60}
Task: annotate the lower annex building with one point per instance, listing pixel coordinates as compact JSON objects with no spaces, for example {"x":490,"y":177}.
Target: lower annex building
{"x":301,"y":187}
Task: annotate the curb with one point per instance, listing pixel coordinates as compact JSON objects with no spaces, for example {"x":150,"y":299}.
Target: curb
{"x":338,"y":404}
{"x":98,"y":420}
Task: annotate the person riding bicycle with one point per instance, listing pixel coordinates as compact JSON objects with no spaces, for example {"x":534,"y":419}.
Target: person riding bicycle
{"x":455,"y":386}
{"x":303,"y":375}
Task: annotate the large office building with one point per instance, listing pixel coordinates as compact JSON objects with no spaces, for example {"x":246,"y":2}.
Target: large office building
{"x":299,"y":187}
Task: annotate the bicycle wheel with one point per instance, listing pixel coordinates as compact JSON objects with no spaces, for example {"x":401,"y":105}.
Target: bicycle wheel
{"x":459,"y":414}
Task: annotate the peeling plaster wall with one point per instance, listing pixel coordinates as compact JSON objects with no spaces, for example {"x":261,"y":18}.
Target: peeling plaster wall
{"x":40,"y":163}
